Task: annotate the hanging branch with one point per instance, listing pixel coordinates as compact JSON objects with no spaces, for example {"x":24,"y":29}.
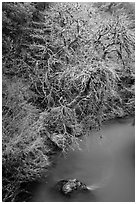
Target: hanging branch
{"x":83,"y":94}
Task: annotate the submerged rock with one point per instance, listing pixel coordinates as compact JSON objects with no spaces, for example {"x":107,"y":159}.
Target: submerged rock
{"x":69,"y":186}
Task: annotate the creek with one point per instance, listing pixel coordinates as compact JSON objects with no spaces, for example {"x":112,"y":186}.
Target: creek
{"x":106,"y":164}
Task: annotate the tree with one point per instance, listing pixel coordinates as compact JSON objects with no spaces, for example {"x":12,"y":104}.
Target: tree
{"x":67,"y":67}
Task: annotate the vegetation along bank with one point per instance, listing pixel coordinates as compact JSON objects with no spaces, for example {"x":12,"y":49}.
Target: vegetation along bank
{"x":67,"y":67}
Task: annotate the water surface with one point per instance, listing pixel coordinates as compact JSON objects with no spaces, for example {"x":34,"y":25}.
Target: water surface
{"x":105,"y":162}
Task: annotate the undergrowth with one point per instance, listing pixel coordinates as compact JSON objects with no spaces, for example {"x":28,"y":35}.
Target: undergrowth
{"x":67,"y":67}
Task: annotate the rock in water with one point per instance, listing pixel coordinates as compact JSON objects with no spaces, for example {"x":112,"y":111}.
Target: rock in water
{"x":67,"y":187}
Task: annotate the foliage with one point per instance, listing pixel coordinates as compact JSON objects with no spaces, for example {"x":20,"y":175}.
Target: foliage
{"x":67,"y":67}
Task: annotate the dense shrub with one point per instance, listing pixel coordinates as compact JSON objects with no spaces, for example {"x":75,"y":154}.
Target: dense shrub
{"x":67,"y":67}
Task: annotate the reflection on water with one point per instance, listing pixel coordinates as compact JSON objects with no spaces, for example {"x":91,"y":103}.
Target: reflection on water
{"x":105,"y":163}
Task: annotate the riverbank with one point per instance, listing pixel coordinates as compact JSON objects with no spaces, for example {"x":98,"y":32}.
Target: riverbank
{"x":66,"y":68}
